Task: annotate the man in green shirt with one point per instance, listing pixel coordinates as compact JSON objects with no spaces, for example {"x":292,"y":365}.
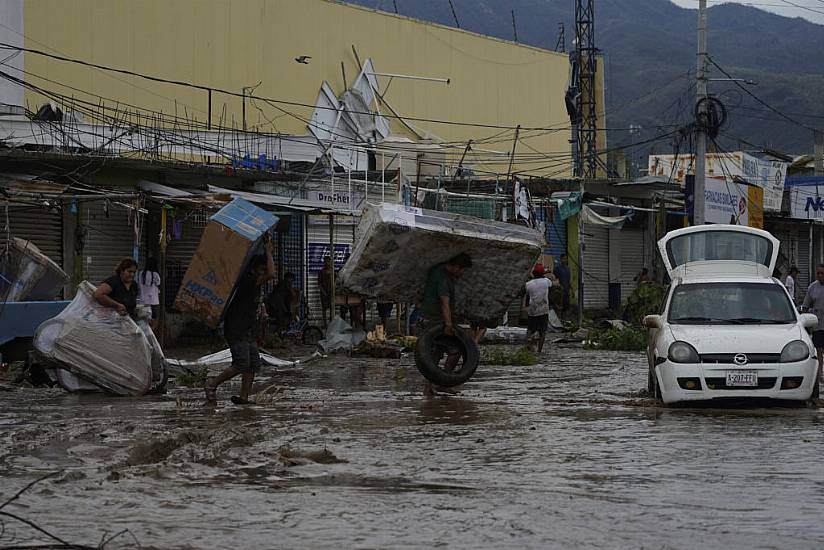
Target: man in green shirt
{"x":439,"y":302}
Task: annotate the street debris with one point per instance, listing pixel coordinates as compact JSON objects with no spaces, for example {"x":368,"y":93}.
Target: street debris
{"x":101,"y":346}
{"x":341,"y":336}
{"x":26,"y":274}
{"x":227,"y":245}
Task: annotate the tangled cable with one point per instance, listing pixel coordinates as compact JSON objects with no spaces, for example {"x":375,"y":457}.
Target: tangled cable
{"x":710,"y":115}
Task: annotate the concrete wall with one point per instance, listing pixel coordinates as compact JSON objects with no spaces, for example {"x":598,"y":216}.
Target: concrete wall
{"x":230,"y":45}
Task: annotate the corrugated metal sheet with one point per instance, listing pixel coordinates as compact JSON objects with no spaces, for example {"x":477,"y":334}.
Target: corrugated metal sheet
{"x":108,"y":240}
{"x":803,"y":256}
{"x":596,"y":267}
{"x":556,"y":234}
{"x":631,"y":242}
{"x":41,"y":226}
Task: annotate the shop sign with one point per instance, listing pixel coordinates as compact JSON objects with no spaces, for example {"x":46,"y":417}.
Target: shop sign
{"x":317,"y":252}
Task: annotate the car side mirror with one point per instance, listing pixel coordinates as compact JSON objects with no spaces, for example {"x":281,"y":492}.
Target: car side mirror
{"x":809,"y":321}
{"x":655,"y":321}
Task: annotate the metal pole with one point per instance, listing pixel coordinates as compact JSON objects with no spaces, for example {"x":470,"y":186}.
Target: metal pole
{"x":811,"y":260}
{"x":333,"y":297}
{"x":581,"y":261}
{"x":701,"y":137}
{"x":209,"y":124}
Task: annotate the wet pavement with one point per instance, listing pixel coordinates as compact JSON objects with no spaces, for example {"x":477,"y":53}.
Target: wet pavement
{"x":348,"y":453}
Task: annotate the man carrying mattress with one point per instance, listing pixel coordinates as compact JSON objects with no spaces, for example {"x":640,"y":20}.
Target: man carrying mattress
{"x":438,"y":306}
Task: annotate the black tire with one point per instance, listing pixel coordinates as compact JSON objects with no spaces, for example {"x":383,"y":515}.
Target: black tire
{"x":311,"y":336}
{"x":427,"y":360}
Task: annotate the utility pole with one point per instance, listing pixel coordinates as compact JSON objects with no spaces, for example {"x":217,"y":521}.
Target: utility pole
{"x":818,"y":152}
{"x":586,"y":129}
{"x":701,"y":137}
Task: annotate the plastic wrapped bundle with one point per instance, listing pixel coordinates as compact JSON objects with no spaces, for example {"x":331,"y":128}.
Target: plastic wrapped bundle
{"x":98,"y":345}
{"x":396,"y":246}
{"x":28,"y":274}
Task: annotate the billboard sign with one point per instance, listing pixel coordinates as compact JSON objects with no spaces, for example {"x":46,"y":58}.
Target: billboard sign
{"x":769,"y":175}
{"x":730,"y":203}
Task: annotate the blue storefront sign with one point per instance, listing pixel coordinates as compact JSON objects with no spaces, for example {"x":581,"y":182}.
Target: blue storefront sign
{"x":318,"y":251}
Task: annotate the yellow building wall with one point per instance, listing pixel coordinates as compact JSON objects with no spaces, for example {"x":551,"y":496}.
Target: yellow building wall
{"x":230,"y":44}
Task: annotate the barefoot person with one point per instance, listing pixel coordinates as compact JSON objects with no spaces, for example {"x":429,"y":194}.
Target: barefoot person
{"x":438,"y":304}
{"x":240,"y":327}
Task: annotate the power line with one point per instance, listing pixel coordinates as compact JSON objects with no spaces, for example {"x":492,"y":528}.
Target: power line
{"x":758,"y":99}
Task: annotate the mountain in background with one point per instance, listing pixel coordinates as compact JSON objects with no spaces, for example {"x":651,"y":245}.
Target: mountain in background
{"x":649,"y":48}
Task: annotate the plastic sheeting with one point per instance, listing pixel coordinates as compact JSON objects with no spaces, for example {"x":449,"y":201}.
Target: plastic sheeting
{"x":98,"y":345}
{"x":396,"y":246}
{"x":341,"y":336}
{"x":222,"y":359}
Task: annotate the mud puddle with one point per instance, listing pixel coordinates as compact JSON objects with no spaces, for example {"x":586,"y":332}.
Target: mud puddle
{"x":567,"y":454}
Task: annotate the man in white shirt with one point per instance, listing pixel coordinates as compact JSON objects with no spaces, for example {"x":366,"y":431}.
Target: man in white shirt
{"x":537,"y":299}
{"x":790,"y":282}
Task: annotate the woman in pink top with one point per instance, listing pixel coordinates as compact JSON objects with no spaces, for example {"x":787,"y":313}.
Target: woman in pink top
{"x":148,"y":279}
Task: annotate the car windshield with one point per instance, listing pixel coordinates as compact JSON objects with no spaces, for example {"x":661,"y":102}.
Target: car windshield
{"x":730,"y":303}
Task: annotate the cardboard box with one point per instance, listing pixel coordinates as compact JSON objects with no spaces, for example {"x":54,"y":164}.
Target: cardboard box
{"x":228,"y":243}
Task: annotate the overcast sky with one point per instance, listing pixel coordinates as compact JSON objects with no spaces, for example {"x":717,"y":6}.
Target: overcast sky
{"x":808,"y":9}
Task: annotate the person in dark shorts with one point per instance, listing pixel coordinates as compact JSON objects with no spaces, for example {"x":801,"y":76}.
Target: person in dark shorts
{"x":120,"y":291}
{"x":537,"y":298}
{"x":385,"y":312}
{"x":438,"y":305}
{"x":240,"y":328}
{"x":814,"y":303}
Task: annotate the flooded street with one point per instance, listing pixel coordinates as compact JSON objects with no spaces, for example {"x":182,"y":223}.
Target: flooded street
{"x":348,"y":453}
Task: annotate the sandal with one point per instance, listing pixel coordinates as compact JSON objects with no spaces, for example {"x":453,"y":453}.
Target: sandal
{"x":240,"y":401}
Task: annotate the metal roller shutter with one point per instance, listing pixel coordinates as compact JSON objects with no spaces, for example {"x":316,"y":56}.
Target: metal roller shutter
{"x":108,"y":240}
{"x":294,"y":257}
{"x":41,"y":226}
{"x":596,"y":267}
{"x":317,"y":242}
{"x":184,"y":228}
{"x":803,"y":260}
{"x":631,"y":241}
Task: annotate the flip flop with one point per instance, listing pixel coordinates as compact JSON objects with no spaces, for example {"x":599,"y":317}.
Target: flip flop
{"x":239,"y":401}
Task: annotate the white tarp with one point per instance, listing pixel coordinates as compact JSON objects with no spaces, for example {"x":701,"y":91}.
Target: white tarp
{"x":341,"y":336}
{"x":98,"y":344}
{"x":223,"y":359}
{"x":591,"y":217}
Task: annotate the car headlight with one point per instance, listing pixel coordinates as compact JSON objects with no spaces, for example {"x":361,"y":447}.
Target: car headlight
{"x":682,"y":352}
{"x":794,"y":352}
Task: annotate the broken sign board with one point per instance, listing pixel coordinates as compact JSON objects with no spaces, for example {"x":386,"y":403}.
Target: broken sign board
{"x":227,"y":245}
{"x":397,"y":246}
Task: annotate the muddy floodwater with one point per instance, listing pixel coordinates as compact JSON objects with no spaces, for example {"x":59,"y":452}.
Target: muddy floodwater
{"x":347,"y":453}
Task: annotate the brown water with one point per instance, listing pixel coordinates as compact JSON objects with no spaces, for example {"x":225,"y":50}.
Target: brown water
{"x":349,"y":454}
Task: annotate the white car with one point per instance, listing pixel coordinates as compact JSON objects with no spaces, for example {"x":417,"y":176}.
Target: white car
{"x":727,"y":329}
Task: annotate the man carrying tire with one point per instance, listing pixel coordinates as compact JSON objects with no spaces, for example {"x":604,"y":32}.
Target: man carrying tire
{"x":437,"y":307}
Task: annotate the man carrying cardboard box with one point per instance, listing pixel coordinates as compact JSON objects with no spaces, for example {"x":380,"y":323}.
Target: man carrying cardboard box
{"x":240,"y":328}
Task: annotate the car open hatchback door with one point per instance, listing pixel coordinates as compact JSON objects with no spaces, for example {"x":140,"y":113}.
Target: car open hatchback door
{"x":719,"y":250}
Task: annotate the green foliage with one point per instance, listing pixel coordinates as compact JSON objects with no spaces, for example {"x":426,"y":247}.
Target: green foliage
{"x":522,"y":357}
{"x":196,"y":379}
{"x":644,"y":300}
{"x":615,"y":339}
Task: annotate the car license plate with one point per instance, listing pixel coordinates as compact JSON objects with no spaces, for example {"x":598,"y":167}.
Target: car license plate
{"x":742,"y":378}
